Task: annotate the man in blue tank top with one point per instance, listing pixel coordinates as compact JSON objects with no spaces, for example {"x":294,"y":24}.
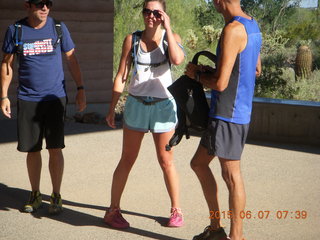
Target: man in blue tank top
{"x":232,"y":85}
{"x":38,"y":42}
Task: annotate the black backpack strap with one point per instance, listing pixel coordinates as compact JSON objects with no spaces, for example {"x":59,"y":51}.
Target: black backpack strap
{"x":180,"y":131}
{"x":208,"y":54}
{"x":136,"y":37}
{"x":165,"y":45}
{"x":58,"y":28}
{"x":18,"y":36}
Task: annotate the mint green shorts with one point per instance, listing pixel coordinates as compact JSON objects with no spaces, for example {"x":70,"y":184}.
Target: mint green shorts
{"x":156,"y":117}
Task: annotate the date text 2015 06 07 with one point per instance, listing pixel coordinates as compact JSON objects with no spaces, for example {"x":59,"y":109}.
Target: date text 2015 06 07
{"x":262,"y":214}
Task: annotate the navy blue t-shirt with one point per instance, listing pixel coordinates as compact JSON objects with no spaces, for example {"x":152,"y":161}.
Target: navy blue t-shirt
{"x":41,"y":76}
{"x":234,"y":104}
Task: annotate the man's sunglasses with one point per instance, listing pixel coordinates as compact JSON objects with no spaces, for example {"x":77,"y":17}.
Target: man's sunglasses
{"x":41,"y":4}
{"x":147,"y":12}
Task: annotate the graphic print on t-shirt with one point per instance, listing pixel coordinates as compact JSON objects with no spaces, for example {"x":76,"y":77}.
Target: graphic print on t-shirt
{"x":38,"y":47}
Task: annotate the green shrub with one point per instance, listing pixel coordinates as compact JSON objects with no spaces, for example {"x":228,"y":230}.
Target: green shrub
{"x":211,"y":34}
{"x":273,"y":83}
{"x":307,"y":89}
{"x":274,"y":56}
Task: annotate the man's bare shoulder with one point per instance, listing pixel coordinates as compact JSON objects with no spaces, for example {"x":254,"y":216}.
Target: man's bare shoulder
{"x":235,"y":36}
{"x":235,"y":30}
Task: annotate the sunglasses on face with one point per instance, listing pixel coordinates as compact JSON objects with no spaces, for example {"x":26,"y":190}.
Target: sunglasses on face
{"x":41,"y":4}
{"x":147,"y":12}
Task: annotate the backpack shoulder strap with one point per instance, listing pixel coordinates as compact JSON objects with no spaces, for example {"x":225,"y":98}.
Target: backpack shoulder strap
{"x":18,"y":35}
{"x":165,"y":44}
{"x":136,"y":37}
{"x":58,"y":28}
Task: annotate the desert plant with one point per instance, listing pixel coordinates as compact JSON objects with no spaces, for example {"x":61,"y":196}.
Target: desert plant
{"x":304,"y":89}
{"x":303,"y":64}
{"x":273,"y":83}
{"x":211,"y":34}
{"x":274,"y":43}
{"x":191,"y":39}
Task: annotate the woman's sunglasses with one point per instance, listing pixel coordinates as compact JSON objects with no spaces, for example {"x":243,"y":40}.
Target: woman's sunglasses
{"x":41,"y":4}
{"x":147,"y":12}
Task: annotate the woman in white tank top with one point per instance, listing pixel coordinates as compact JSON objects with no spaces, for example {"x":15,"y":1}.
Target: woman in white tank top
{"x":149,"y":106}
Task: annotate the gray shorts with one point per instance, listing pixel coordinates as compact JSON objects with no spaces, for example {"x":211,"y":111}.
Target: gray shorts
{"x":225,"y":139}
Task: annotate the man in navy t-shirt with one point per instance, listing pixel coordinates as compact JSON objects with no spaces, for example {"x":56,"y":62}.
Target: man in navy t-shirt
{"x":232,"y":85}
{"x":37,"y":44}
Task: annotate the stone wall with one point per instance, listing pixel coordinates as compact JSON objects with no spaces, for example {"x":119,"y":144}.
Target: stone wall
{"x":285,"y":121}
{"x":91,"y":26}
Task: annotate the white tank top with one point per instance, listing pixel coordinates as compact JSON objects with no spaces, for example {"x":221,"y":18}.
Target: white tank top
{"x":150,"y":80}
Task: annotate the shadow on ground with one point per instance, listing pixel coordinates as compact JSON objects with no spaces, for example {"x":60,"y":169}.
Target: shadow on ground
{"x":8,"y":133}
{"x":14,"y":198}
{"x":8,"y":129}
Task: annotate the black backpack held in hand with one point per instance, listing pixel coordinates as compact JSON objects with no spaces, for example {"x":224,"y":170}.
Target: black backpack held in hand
{"x":192,"y":105}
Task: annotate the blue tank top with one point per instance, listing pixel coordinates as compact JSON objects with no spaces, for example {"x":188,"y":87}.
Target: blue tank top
{"x":234,"y":104}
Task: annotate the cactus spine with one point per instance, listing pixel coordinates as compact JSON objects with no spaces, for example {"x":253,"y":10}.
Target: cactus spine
{"x":303,"y":66}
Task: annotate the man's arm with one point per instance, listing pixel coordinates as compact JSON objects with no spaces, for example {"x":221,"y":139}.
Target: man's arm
{"x":6,"y":78}
{"x":258,"y":67}
{"x":74,"y":68}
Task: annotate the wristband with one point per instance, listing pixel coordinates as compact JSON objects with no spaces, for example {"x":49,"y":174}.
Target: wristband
{"x":80,"y":87}
{"x":3,"y":98}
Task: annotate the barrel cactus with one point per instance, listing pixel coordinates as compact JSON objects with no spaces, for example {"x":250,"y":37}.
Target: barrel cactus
{"x":303,"y":66}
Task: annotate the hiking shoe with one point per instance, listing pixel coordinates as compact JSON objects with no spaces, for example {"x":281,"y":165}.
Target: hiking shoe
{"x":209,"y":234}
{"x":114,"y":219}
{"x":176,"y":218}
{"x":55,"y":206}
{"x":34,"y":202}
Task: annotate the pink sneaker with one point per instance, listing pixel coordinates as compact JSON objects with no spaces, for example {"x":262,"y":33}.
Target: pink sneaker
{"x":176,"y":218}
{"x":114,"y":219}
